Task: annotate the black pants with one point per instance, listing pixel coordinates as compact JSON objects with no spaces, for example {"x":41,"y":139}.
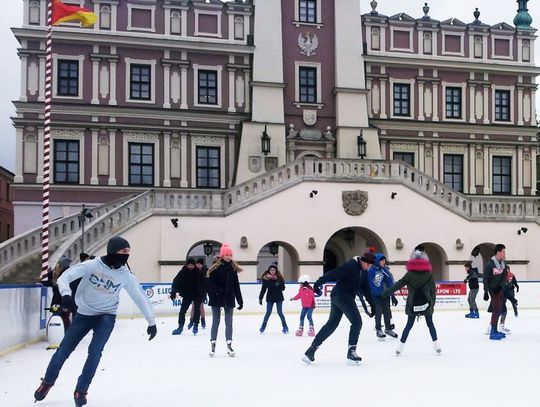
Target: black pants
{"x":339,"y":306}
{"x":186,"y":302}
{"x":410,"y":323}
{"x":510,"y":295}
{"x":382,"y":308}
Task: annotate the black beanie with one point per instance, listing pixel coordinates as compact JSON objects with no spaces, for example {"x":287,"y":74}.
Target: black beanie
{"x":116,"y":243}
{"x":190,"y":261}
{"x":200,"y":261}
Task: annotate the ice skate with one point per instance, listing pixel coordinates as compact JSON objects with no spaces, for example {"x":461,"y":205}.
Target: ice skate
{"x":195,"y":329}
{"x":495,"y":335}
{"x":504,"y":329}
{"x":391,"y":333}
{"x":80,"y":398}
{"x":285,"y":330}
{"x":352,"y":356}
{"x":230,"y":350}
{"x":437,"y":347}
{"x":380,"y":335}
{"x":212,"y":349}
{"x":203,"y":323}
{"x":42,"y":390}
{"x":470,"y":314}
{"x":476,"y":315}
{"x":299,"y":331}
{"x":190,"y":325}
{"x":311,"y":331}
{"x":399,"y":349}
{"x":309,"y":356}
{"x":178,"y":331}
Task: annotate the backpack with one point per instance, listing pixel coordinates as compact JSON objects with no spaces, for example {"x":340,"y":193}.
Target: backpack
{"x":420,"y":302}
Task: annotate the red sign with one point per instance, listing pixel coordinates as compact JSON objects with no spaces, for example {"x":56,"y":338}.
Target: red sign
{"x":442,"y":289}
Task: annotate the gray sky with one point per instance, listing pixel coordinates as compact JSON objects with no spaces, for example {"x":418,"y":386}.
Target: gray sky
{"x":492,"y":12}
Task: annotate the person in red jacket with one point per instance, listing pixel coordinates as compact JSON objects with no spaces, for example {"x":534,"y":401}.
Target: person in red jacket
{"x":306,"y":295}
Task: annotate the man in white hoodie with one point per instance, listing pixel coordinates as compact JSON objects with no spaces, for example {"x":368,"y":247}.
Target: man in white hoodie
{"x":97,"y":301}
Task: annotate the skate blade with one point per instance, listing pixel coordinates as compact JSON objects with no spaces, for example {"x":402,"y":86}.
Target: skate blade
{"x":381,"y":339}
{"x":398,"y":353}
{"x":438,"y":352}
{"x":211,"y":355}
{"x":232,"y":355}
{"x":353,"y":362}
{"x":306,"y":360}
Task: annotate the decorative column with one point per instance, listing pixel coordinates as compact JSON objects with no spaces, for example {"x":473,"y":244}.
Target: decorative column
{"x":472,"y":94}
{"x":487,"y":172}
{"x":472,"y":166}
{"x":231,"y":160}
{"x":533,"y":108}
{"x":94,"y":178}
{"x":167,"y":159}
{"x":112,"y":157}
{"x":24,"y":74}
{"x":40,"y":154}
{"x":486,"y":104}
{"x":420,"y":100}
{"x":383,"y":97}
{"x":519,"y":165}
{"x":231,"y":108}
{"x":246,"y":90}
{"x":436,"y":169}
{"x":520,"y":105}
{"x":41,"y":96}
{"x":112,"y":81}
{"x":435,"y":86}
{"x":95,"y":79}
{"x":421,"y":157}
{"x":166,"y":86}
{"x":183,"y":162}
{"x":183,"y":87}
{"x":19,"y":154}
{"x":534,"y":180}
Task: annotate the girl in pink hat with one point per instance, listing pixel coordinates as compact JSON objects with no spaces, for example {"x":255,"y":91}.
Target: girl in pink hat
{"x":223,"y":292}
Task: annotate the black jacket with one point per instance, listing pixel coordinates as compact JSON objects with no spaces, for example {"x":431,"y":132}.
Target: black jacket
{"x":494,"y":278}
{"x":224,"y":287}
{"x":275,"y":290}
{"x":472,"y":278}
{"x":350,"y":280}
{"x":189,"y":284}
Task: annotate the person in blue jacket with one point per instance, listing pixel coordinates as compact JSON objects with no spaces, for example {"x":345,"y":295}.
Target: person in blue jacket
{"x":380,"y":278}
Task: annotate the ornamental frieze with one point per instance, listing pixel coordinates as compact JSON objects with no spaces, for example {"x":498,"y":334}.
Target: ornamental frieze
{"x":133,"y":136}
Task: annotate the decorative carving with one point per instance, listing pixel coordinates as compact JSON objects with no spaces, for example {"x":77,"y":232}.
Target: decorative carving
{"x":104,"y":81}
{"x":270,"y":163}
{"x":292,"y":132}
{"x":399,"y":244}
{"x":308,"y":44}
{"x":175,"y":87}
{"x":450,"y":148}
{"x":33,"y":78}
{"x":255,"y":163}
{"x":404,"y":147}
{"x":133,"y":136}
{"x":311,"y":243}
{"x":239,"y":91}
{"x":243,"y":242}
{"x":207,"y":140}
{"x":309,"y":117}
{"x":506,"y":150}
{"x":459,"y":244}
{"x":354,"y":202}
{"x":67,"y":133}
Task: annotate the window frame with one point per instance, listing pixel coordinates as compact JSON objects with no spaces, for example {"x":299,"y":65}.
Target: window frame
{"x":400,"y":100}
{"x":499,"y":116}
{"x":207,"y":167}
{"x":307,"y":86}
{"x":141,"y":164}
{"x":453,"y":173}
{"x":140,"y":82}
{"x":207,"y":72}
{"x":128,"y":63}
{"x":502,"y":175}
{"x":72,"y":81}
{"x":403,"y":154}
{"x":66,"y":161}
{"x":307,"y":15}
{"x":452,"y":103}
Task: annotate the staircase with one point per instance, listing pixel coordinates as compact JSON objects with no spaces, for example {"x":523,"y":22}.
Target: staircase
{"x":119,"y":216}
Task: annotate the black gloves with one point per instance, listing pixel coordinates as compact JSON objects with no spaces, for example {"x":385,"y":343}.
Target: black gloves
{"x":152,"y":331}
{"x":240,"y":306}
{"x":517,"y":289}
{"x":465,"y":280}
{"x":260,"y":301}
{"x":317,"y":289}
{"x":394,"y":301}
{"x":486,"y":296}
{"x":67,"y":303}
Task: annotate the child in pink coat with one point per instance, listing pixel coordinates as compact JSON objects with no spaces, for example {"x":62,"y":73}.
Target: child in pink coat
{"x":307,"y":297}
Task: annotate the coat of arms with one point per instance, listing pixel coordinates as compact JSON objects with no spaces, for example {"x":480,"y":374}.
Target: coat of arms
{"x":308,"y":44}
{"x":310,"y":117}
{"x":354,"y":202}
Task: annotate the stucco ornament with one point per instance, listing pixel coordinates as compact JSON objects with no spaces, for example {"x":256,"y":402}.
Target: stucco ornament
{"x":354,"y":202}
{"x":308,"y":43}
{"x":310,"y":117}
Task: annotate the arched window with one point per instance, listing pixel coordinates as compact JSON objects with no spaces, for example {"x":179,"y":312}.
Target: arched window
{"x":105,"y":18}
{"x":238,"y":28}
{"x":526,"y":51}
{"x":428,"y":43}
{"x":33,"y":15}
{"x":30,"y":154}
{"x":176,"y":23}
{"x":375,"y":38}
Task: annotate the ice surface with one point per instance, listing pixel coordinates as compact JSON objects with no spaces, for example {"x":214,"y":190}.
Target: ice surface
{"x":267,"y":371}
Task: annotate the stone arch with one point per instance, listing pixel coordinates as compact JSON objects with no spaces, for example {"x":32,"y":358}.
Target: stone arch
{"x":286,"y":258}
{"x":480,"y":255}
{"x":304,"y":154}
{"x":438,"y":259}
{"x":197,"y":251}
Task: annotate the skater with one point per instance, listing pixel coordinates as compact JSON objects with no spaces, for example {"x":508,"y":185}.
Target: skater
{"x":97,"y":298}
{"x":495,"y":277}
{"x":223,"y":290}
{"x":509,"y":293}
{"x":273,"y":284}
{"x":421,"y":297}
{"x":189,"y":284}
{"x":380,"y":279}
{"x":472,"y":279}
{"x":307,"y":298}
{"x":53,"y":276}
{"x":203,"y":270}
{"x":351,"y":280}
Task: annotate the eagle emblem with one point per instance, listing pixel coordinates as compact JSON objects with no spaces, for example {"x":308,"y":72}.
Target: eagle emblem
{"x":308,"y":44}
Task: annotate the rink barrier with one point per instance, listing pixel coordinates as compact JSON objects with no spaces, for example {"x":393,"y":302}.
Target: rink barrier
{"x":23,"y":319}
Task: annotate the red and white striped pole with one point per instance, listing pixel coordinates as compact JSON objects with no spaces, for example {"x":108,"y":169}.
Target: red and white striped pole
{"x":46,"y":149}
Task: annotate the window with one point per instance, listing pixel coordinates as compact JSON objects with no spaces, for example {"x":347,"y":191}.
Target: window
{"x":66,"y":162}
{"x":307,"y":84}
{"x":176,"y":22}
{"x":208,"y":87}
{"x":208,"y":171}
{"x":308,"y":11}
{"x":502,"y":105}
{"x":453,"y":103}
{"x":453,"y":171}
{"x":402,"y":100}
{"x":140,"y":82}
{"x":478,"y":46}
{"x":502,"y":175}
{"x":375,"y":38}
{"x":408,"y":158}
{"x":141,"y":164}
{"x":105,"y":18}
{"x":238,"y":28}
{"x":68,"y":78}
{"x":33,"y":15}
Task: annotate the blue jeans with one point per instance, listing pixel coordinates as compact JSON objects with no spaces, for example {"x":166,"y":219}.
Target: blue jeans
{"x":102,"y":325}
{"x":306,"y":312}
{"x":279,"y":307}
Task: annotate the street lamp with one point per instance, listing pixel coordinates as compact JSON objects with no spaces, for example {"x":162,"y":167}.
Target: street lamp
{"x":85,"y":213}
{"x":208,"y":248}
{"x":361,"y":144}
{"x":265,"y":142}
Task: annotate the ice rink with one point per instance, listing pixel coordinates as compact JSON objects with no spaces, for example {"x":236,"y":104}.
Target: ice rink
{"x":268,"y":371}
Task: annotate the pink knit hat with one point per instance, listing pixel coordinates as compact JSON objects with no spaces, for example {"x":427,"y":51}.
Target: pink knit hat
{"x":225,"y":249}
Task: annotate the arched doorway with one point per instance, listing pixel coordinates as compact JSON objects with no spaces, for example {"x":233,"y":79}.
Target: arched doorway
{"x":283,"y":255}
{"x":481,"y":254}
{"x":437,"y":258}
{"x":207,"y":250}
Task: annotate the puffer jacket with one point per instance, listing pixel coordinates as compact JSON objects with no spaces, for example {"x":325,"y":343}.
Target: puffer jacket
{"x":415,"y":280}
{"x":306,"y":296}
{"x":273,"y":288}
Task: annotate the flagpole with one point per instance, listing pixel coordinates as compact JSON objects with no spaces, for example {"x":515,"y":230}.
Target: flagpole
{"x":46,"y":149}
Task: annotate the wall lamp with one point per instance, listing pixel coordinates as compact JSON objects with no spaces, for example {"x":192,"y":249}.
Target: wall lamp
{"x":393,"y":195}
{"x":524,"y":230}
{"x":313,"y":193}
{"x":459,"y":244}
{"x":265,"y":142}
{"x":174,"y":222}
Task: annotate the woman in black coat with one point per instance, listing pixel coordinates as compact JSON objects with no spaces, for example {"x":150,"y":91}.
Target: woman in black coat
{"x":273,"y":284}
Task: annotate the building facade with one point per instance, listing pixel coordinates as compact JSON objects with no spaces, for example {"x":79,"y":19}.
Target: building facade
{"x":298,"y":131}
{"x":6,"y":205}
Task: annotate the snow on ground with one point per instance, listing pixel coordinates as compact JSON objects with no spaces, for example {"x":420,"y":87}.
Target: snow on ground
{"x":268,"y":372}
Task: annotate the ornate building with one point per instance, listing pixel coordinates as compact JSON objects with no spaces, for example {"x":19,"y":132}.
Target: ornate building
{"x":6,"y":204}
{"x":298,"y":131}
